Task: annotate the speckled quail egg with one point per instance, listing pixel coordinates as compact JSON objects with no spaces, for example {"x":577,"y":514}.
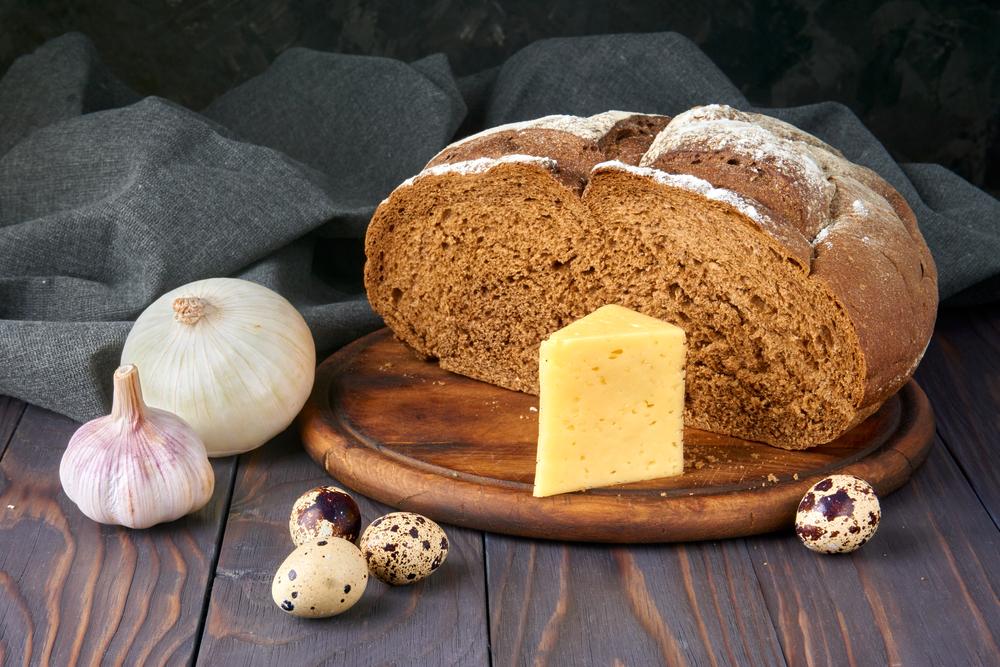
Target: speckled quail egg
{"x":325,"y":511}
{"x":323,"y":577}
{"x":838,"y":514}
{"x":403,"y":547}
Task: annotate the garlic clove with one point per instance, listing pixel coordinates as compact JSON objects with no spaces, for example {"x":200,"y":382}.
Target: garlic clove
{"x":138,"y":466}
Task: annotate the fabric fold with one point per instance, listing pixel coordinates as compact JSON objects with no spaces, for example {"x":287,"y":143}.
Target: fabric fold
{"x":62,"y":79}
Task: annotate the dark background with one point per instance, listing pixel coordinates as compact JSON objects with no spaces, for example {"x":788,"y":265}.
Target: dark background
{"x":923,"y":75}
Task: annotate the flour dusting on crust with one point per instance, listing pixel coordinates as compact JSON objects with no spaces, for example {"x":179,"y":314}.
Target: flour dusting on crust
{"x":699,"y":129}
{"x":797,"y":244}
{"x":478,"y":166}
{"x":591,"y":128}
{"x":744,"y":205}
{"x":758,"y":143}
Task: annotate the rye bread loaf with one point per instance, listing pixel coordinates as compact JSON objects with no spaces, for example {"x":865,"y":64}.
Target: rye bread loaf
{"x":804,"y":286}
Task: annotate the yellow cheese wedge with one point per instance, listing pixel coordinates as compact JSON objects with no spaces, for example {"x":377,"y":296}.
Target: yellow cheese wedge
{"x":611,"y":402}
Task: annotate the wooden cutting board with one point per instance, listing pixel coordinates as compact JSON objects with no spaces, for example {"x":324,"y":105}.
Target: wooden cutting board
{"x":421,"y":439}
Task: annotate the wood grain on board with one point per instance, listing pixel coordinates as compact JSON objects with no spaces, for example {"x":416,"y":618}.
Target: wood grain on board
{"x":73,"y":591}
{"x":411,"y":435}
{"x":440,"y":620}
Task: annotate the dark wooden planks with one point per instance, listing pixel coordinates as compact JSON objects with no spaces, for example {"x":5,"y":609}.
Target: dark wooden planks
{"x":924,"y":591}
{"x":11,"y":410}
{"x":76,"y":592}
{"x":438,"y":621}
{"x":556,"y":603}
{"x":961,"y":371}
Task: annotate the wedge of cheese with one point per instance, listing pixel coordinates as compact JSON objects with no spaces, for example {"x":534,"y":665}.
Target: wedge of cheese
{"x":611,"y":402}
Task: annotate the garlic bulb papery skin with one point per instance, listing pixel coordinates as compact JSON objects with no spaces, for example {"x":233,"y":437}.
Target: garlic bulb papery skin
{"x":138,"y":466}
{"x":234,"y":359}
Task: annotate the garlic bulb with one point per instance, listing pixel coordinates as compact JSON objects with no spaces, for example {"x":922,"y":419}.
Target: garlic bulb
{"x":138,"y":466}
{"x":233,"y":359}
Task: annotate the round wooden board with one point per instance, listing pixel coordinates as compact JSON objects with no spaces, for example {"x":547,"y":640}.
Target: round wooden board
{"x":420,"y":439}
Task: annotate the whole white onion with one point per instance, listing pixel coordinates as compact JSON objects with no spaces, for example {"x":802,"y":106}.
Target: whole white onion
{"x":233,"y":359}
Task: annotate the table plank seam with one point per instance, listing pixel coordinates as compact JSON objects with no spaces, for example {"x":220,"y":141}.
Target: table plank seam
{"x":220,"y":536}
{"x":954,"y":455}
{"x":776,"y":635}
{"x":11,"y":413}
{"x":486,"y":596}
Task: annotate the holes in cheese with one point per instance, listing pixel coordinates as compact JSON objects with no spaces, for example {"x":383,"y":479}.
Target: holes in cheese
{"x":611,"y":394}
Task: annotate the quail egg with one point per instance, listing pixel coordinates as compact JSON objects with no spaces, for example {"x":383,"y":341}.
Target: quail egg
{"x":402,"y":547}
{"x":325,"y":511}
{"x":838,"y":514}
{"x":320,"y":578}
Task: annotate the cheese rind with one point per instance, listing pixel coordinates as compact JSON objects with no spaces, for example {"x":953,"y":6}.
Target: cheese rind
{"x":611,"y":402}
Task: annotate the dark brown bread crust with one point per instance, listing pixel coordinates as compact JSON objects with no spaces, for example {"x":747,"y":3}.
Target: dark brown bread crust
{"x":615,"y":136}
{"x":802,"y":281}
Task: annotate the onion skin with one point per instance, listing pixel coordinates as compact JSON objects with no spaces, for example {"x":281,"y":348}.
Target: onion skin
{"x":233,"y":359}
{"x":138,"y":466}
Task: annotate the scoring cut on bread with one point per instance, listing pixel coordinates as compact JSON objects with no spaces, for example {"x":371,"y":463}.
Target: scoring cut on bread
{"x":806,"y":291}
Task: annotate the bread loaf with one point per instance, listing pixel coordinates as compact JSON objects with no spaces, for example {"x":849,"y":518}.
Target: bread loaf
{"x":806,"y":291}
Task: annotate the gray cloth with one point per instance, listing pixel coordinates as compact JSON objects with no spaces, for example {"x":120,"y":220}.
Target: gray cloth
{"x":108,"y":200}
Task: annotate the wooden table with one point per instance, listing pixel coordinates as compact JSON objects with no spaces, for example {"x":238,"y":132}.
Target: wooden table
{"x":924,"y":591}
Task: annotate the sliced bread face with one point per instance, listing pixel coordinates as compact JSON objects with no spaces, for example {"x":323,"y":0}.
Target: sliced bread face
{"x":804,"y":287}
